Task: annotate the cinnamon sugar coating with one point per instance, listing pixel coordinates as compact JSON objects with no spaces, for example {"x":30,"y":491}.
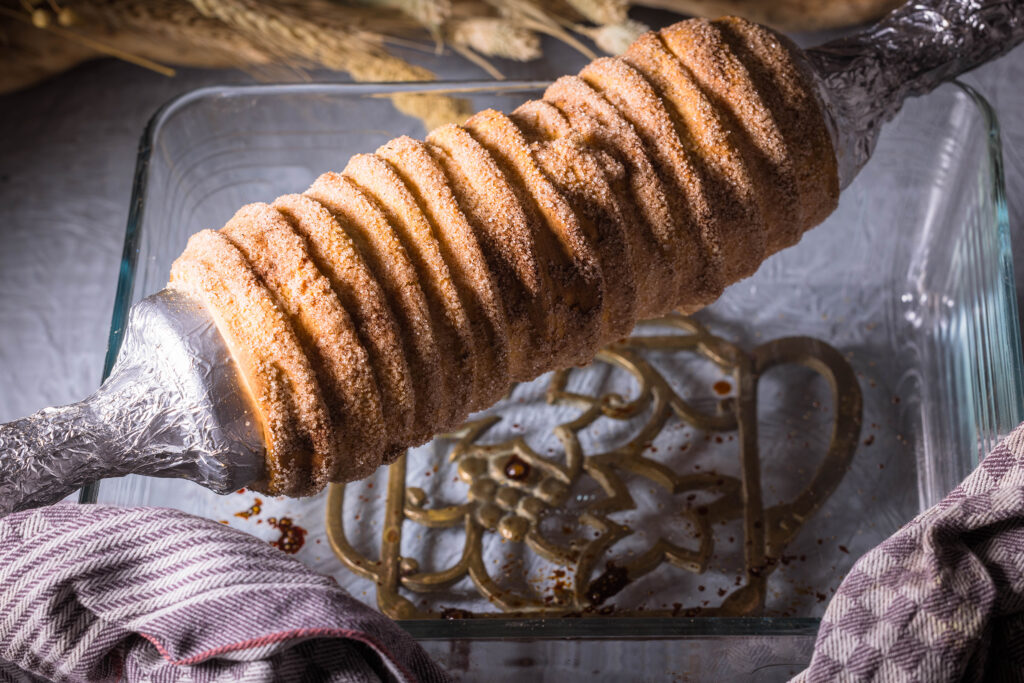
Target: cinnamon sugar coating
{"x":729,"y":218}
{"x":448,"y":316}
{"x":789,"y":94}
{"x":386,"y":303}
{"x":335,"y":254}
{"x":579,"y":173}
{"x":276,"y":370}
{"x":563,"y":245}
{"x":657,"y":216}
{"x":388,"y":261}
{"x":727,"y":82}
{"x":460,"y":249}
{"x":490,"y":204}
{"x":279,"y":256}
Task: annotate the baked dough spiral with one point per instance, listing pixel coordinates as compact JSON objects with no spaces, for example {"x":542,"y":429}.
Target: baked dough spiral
{"x":389,"y":301}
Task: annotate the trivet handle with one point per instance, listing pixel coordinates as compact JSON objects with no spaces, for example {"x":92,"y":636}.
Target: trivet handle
{"x":171,"y":407}
{"x":865,"y":77}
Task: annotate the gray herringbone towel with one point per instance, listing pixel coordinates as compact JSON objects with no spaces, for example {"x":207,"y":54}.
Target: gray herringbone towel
{"x":943,"y":598}
{"x":102,"y":593}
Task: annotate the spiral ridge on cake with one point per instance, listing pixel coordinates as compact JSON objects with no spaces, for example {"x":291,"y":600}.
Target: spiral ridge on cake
{"x":392,"y":299}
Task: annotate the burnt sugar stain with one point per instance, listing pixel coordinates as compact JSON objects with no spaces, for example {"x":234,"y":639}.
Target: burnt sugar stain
{"x":253,"y":510}
{"x":292,"y":538}
{"x":516,"y":468}
{"x":613,"y":580}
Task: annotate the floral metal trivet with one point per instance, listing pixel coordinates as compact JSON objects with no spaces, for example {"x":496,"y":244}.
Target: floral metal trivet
{"x":512,"y":488}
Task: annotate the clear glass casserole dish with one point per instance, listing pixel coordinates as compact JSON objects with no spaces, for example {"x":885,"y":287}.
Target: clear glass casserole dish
{"x":910,"y":281}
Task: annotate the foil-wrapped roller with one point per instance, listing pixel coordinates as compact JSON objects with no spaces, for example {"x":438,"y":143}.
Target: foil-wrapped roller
{"x":865,"y":77}
{"x":173,"y":406}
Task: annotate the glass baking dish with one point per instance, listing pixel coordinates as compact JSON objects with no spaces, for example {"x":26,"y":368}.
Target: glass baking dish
{"x":910,"y":281}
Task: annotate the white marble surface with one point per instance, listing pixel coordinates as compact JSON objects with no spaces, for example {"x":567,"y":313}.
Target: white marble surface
{"x":66,"y":165}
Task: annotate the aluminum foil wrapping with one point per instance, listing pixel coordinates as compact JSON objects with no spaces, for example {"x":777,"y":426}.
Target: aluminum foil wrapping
{"x":172,"y":407}
{"x":864,"y":78}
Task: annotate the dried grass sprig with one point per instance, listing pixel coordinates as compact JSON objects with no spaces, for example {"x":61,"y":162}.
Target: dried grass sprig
{"x":431,"y":14}
{"x":495,"y":37}
{"x":170,"y":31}
{"x":34,"y":18}
{"x":531,"y":16}
{"x":335,"y":45}
{"x":480,"y":61}
{"x":39,"y":38}
{"x":602,"y":11}
{"x":614,"y":38}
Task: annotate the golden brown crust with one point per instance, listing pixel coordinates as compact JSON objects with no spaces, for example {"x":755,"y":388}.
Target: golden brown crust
{"x":461,"y":250}
{"x":540,"y":121}
{"x":564,"y":248}
{"x":387,"y":259}
{"x":279,"y":257}
{"x":579,"y":174}
{"x":448,"y":315}
{"x":728,"y":216}
{"x":336,"y":255}
{"x":501,"y":224}
{"x":277,"y":372}
{"x":727,"y":83}
{"x":655,"y":222}
{"x":386,"y":303}
{"x":789,"y":94}
{"x":697,"y":242}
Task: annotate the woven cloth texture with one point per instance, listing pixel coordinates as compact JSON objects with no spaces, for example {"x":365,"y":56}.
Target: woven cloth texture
{"x":942,"y":599}
{"x":99,"y":593}
{"x":106,"y":593}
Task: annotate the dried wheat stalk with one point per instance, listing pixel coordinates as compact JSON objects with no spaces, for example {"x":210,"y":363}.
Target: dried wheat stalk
{"x":266,"y":37}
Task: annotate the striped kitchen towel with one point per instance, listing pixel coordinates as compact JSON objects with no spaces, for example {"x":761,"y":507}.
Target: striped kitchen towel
{"x":100,"y":593}
{"x":942,"y":599}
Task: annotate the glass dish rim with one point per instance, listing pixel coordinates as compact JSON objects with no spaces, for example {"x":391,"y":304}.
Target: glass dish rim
{"x":503,"y":628}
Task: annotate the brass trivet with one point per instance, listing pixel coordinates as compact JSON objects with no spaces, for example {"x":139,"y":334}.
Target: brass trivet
{"x":512,"y":487}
